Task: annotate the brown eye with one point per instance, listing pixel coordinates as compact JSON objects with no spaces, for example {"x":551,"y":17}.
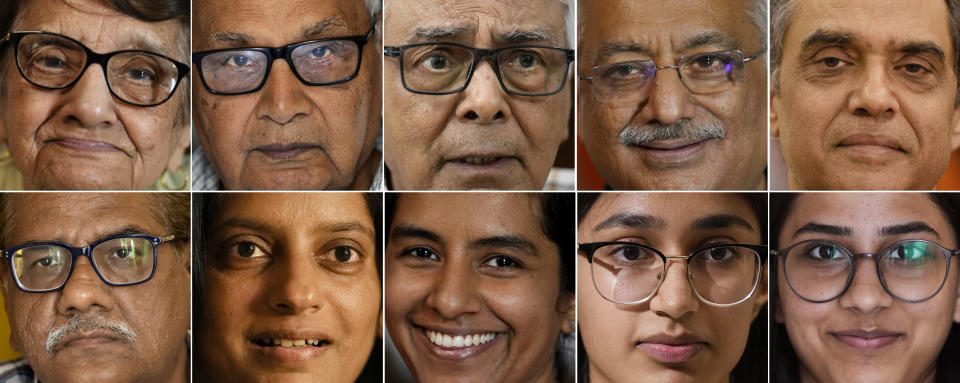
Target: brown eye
{"x":343,"y":253}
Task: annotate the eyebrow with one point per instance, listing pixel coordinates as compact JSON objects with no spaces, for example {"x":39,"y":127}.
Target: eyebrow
{"x":505,"y":241}
{"x":428,"y":34}
{"x":306,"y":33}
{"x":322,"y":26}
{"x":922,"y":48}
{"x":126,"y":230}
{"x":908,"y":228}
{"x":715,"y":38}
{"x":327,"y":227}
{"x":232,"y":38}
{"x":537,"y":35}
{"x":825,"y":37}
{"x":813,"y":227}
{"x":629,"y":220}
{"x":721,"y":221}
{"x":406,"y":231}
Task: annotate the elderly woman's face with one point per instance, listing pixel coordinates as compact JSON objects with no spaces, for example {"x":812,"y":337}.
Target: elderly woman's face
{"x":292,"y":291}
{"x":673,"y":336}
{"x":867,"y":335}
{"x":82,"y":137}
{"x":473,"y":288}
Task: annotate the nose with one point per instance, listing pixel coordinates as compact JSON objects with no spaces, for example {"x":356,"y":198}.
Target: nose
{"x":668,"y":100}
{"x":89,"y":103}
{"x":283,"y":97}
{"x":455,"y":290}
{"x":294,"y":285}
{"x":866,"y":294}
{"x":84,"y":292}
{"x":675,"y":298}
{"x":873,"y":95}
{"x":484,"y":101}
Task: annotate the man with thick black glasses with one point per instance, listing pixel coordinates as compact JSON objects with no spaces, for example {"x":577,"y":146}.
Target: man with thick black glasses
{"x":476,"y":95}
{"x":673,"y":94}
{"x":96,"y":286}
{"x":289,"y":94}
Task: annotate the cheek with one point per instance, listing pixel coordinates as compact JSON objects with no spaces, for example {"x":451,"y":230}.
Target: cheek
{"x":404,"y":291}
{"x":30,"y":323}
{"x":228,"y":301}
{"x":527,"y":304}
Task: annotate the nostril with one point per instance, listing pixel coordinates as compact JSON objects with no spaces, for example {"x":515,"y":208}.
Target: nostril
{"x":471,"y":115}
{"x":498,"y":116}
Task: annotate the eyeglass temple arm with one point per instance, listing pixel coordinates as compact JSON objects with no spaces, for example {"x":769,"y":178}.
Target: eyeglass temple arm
{"x":756,"y":56}
{"x":167,"y":238}
{"x":391,"y":51}
{"x":5,"y":38}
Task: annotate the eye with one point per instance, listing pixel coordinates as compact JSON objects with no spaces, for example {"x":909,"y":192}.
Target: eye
{"x":320,"y":52}
{"x":831,"y":62}
{"x":345,"y":254}
{"x":501,"y":261}
{"x":50,"y":62}
{"x":720,"y":253}
{"x":438,"y":62}
{"x":825,"y":252}
{"x":421,"y":252}
{"x":707,"y":61}
{"x":624,"y":71}
{"x":45,"y":262}
{"x":247,"y":249}
{"x":911,"y":251}
{"x":238,"y":60}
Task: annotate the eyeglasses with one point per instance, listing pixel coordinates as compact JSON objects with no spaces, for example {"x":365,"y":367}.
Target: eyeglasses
{"x":820,"y":271}
{"x":237,"y":71}
{"x":631,"y":273}
{"x":446,"y":68}
{"x":53,"y":61}
{"x":702,"y":74}
{"x":120,"y":260}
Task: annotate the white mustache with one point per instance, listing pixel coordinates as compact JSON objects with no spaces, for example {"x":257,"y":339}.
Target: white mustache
{"x":634,"y":135}
{"x":77,"y":323}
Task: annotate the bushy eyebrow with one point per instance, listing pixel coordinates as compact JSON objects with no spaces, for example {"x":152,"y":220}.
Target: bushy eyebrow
{"x":505,"y":241}
{"x":825,"y":37}
{"x":536,"y":35}
{"x":819,"y":228}
{"x":908,"y":228}
{"x":431,"y":34}
{"x":922,"y":48}
{"x":308,"y":32}
{"x":706,"y":38}
{"x":323,"y":227}
{"x":406,"y":231}
{"x":632,"y":221}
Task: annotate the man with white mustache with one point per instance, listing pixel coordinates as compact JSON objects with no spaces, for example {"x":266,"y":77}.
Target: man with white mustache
{"x":671,"y":96}
{"x":96,"y":286}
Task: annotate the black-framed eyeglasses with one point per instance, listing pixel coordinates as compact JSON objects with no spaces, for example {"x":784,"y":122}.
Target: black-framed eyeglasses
{"x":701,"y":73}
{"x":820,"y":271}
{"x":120,"y":260}
{"x":328,"y":61}
{"x":51,"y":61}
{"x":631,"y":273}
{"x":446,"y":68}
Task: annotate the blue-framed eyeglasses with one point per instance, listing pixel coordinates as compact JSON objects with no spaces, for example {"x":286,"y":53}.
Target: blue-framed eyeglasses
{"x":52,"y":61}
{"x":120,"y":260}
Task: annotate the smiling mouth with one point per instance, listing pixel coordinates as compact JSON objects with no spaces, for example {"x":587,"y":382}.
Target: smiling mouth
{"x":457,"y":341}
{"x":290,"y":343}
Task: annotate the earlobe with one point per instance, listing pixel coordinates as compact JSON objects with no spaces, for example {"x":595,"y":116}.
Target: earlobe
{"x":774,"y":129}
{"x":956,"y":127}
{"x":569,"y":316}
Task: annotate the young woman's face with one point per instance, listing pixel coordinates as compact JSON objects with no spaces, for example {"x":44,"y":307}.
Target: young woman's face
{"x":292,"y":292}
{"x":473,"y":288}
{"x":866,"y":335}
{"x":673,"y":336}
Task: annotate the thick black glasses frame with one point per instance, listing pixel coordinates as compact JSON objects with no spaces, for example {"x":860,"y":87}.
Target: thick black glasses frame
{"x":590,"y":248}
{"x":782,"y":253}
{"x":86,"y":251}
{"x":478,"y":55}
{"x":92,"y":58}
{"x":286,"y":52}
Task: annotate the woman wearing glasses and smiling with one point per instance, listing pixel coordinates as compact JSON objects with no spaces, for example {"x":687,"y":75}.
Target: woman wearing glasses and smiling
{"x":90,"y":95}
{"x":672,"y":287}
{"x":865,"y":287}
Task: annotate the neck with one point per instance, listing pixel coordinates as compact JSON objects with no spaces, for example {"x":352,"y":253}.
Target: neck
{"x":366,"y":172}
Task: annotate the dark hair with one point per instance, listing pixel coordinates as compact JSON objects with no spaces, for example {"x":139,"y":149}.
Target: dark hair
{"x":206,"y":208}
{"x":556,"y":214}
{"x":784,"y":362}
{"x":752,"y":366}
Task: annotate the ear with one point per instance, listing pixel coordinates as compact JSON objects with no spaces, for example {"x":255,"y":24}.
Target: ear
{"x":956,"y":126}
{"x":774,"y":129}
{"x":761,"y":294}
{"x":568,"y":312}
{"x":180,"y":150}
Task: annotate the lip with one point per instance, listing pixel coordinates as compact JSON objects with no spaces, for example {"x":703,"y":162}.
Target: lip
{"x":672,"y":349}
{"x":482,"y":161}
{"x":866,"y":339}
{"x":289,"y":355}
{"x":672,"y":151}
{"x":286,"y":152}
{"x":868,"y":144}
{"x":455,"y":353}
{"x":88,"y":338}
{"x":84,"y":145}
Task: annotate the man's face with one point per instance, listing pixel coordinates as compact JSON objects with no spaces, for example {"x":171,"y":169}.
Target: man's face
{"x":481,"y":137}
{"x":664,"y":32}
{"x":673,"y":337}
{"x":867,"y":95}
{"x":292,"y":291}
{"x":867,"y":335}
{"x":287,"y":135}
{"x":83,"y":137}
{"x":475,"y":267}
{"x":156,"y":312}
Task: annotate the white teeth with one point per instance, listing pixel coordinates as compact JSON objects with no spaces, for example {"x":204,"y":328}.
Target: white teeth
{"x":293,"y":343}
{"x":459,"y":341}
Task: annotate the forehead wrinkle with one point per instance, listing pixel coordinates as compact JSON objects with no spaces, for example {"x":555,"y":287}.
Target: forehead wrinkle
{"x":611,"y":48}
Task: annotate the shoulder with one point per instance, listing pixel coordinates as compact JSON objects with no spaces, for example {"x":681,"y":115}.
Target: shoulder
{"x":16,"y":371}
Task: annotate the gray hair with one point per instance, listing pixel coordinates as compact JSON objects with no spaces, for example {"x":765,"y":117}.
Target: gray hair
{"x":373,"y":8}
{"x":782,"y":11}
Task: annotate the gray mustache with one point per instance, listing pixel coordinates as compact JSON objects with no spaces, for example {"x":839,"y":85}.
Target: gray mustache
{"x":78,"y":323}
{"x":634,"y":135}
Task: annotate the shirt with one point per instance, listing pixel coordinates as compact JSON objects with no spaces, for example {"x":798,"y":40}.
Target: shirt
{"x":16,"y":371}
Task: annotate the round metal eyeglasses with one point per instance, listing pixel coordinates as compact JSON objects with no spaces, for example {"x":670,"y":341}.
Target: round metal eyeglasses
{"x":820,"y":271}
{"x":630,"y":273}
